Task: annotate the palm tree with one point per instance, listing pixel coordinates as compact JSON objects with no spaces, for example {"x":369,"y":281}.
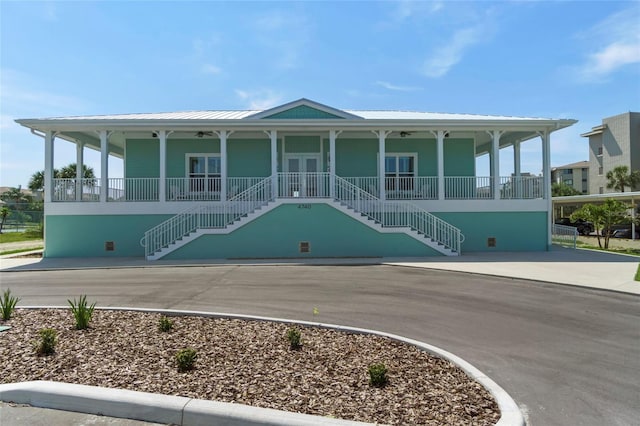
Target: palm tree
{"x":619,"y":178}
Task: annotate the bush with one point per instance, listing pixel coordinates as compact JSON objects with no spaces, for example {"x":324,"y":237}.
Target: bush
{"x":81,"y":312}
{"x":378,"y":375}
{"x":294,"y":338}
{"x":47,"y":343}
{"x":165,"y":324}
{"x":8,"y":304}
{"x":186,"y":358}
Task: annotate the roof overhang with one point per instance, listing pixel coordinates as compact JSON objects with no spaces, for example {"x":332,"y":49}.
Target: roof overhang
{"x":598,"y":130}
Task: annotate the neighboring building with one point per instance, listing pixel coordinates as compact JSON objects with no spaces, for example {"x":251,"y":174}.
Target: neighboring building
{"x":616,"y":142}
{"x":575,"y":175}
{"x":299,"y":180}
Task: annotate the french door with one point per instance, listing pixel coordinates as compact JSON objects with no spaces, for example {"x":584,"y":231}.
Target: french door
{"x":301,"y":175}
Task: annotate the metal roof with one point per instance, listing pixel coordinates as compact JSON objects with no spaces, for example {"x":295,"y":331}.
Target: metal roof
{"x":239,"y":115}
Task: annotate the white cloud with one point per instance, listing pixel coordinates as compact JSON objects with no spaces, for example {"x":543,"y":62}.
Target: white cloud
{"x":211,"y":69}
{"x":616,"y":41}
{"x":450,"y":53}
{"x":390,"y":86}
{"x":259,"y":99}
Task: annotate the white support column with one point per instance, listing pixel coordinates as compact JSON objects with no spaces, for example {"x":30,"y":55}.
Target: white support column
{"x":546,"y":180}
{"x":223,"y":135}
{"x":495,"y":161}
{"x":439,"y":134}
{"x":333,"y":135}
{"x":273,"y":135}
{"x":382,"y":136}
{"x":517,"y":163}
{"x":517,"y":169}
{"x":104,"y":165}
{"x":48,"y":166}
{"x":162,"y":179}
{"x":79,"y":169}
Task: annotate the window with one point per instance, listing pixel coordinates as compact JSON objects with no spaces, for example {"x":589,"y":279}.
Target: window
{"x":203,"y":171}
{"x":400,"y":169}
{"x":599,"y":150}
{"x":568,"y":181}
{"x":600,"y":171}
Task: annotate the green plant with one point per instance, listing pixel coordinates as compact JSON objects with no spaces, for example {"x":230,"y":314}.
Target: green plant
{"x":378,"y":375}
{"x":637,"y":277}
{"x":8,"y":304}
{"x":294,"y":338}
{"x":165,"y":324}
{"x":81,"y":312}
{"x":186,"y":358}
{"x":47,"y":343}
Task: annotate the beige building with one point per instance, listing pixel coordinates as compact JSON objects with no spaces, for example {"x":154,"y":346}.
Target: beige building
{"x":616,"y":142}
{"x":575,"y":175}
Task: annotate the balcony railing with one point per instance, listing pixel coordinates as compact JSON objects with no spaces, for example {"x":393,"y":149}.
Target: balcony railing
{"x":298,"y":185}
{"x":304,"y":185}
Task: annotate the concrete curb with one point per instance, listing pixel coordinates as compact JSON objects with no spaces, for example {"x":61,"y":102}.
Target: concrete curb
{"x":200,"y":412}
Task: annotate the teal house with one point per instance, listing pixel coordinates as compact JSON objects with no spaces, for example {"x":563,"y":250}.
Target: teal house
{"x":299,"y":180}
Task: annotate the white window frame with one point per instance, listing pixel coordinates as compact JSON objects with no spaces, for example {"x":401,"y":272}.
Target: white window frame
{"x":207,"y":175}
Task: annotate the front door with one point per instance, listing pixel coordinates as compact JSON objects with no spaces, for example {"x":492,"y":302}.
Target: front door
{"x":301,"y":173}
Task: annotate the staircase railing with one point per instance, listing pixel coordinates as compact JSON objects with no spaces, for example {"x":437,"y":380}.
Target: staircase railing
{"x":207,"y":217}
{"x":398,"y":214}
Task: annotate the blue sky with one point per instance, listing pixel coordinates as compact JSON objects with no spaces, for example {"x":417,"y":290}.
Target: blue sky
{"x":552,"y":59}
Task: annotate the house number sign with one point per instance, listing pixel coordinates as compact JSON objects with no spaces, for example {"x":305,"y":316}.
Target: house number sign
{"x":304,"y":206}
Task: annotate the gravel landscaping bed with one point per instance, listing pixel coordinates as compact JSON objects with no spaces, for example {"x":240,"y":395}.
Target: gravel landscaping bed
{"x":247,"y":362}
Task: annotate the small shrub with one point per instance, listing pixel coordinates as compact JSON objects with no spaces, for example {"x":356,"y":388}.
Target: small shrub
{"x":186,"y":358}
{"x":8,"y":304}
{"x":165,"y":324}
{"x":47,"y":343}
{"x":294,"y":338}
{"x":81,"y":312}
{"x":378,"y":375}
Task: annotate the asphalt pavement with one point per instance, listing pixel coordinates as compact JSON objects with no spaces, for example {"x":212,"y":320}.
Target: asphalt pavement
{"x":566,"y":354}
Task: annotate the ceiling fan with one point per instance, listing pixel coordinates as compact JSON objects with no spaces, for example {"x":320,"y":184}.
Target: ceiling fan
{"x":203,"y":134}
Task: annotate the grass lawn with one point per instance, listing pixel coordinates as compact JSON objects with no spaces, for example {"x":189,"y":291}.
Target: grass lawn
{"x":637,"y":278}
{"x":14,"y":237}
{"x":631,"y":251}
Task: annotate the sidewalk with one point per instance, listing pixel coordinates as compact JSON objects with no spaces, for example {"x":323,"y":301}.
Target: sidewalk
{"x":584,"y":268}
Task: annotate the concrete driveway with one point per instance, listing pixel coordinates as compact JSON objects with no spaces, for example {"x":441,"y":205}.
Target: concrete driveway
{"x":566,"y":355}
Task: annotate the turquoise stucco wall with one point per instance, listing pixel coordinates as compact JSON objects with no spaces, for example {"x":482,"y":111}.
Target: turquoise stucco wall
{"x":84,"y":236}
{"x":514,"y":231}
{"x":142,"y":158}
{"x":356,"y":157}
{"x":252,"y":157}
{"x":303,"y":112}
{"x":249,"y":157}
{"x":279,"y":232}
{"x":459,"y":157}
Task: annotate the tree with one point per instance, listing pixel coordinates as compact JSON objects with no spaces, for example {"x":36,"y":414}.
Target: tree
{"x":4,"y":212}
{"x":603,"y":216}
{"x":36,"y":183}
{"x":15,"y":196}
{"x":619,"y":178}
{"x":563,"y":190}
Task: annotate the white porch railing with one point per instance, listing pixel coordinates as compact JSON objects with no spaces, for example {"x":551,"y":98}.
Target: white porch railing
{"x":564,"y":235}
{"x":133,"y":189}
{"x":207,"y":217}
{"x":398,"y":214}
{"x":72,"y":190}
{"x":303,"y":185}
{"x":299,"y":185}
{"x":521,"y":187}
{"x":468,"y":187}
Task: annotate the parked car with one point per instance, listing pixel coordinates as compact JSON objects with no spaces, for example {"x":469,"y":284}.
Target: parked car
{"x":584,"y":227}
{"x":621,"y":231}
